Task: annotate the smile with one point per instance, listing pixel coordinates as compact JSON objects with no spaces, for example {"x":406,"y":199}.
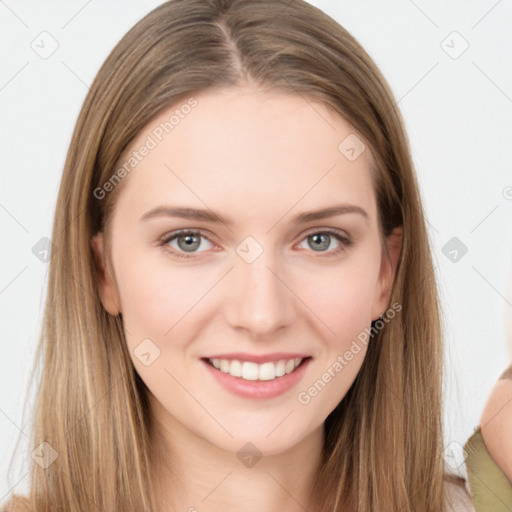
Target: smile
{"x":272,"y":375}
{"x":248,"y":370}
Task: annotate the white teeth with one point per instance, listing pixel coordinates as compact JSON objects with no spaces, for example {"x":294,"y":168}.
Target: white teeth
{"x":252,"y":371}
{"x":267,"y":371}
{"x":235,"y":369}
{"x":280,"y":368}
{"x":249,"y":371}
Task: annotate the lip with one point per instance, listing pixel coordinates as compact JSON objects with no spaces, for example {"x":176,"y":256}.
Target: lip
{"x":259,"y":358}
{"x":257,"y":389}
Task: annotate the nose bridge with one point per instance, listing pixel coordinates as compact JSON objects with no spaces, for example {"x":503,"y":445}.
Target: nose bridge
{"x":260,"y":302}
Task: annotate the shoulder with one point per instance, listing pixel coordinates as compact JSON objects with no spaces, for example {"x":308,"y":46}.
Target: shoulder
{"x":17,"y":503}
{"x":496,"y":421}
{"x":457,"y":494}
{"x":490,"y":489}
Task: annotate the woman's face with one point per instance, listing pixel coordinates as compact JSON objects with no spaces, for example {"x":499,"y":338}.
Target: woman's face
{"x":278,"y":281}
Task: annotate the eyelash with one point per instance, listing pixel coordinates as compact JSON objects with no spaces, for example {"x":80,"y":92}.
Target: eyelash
{"x":344,"y":241}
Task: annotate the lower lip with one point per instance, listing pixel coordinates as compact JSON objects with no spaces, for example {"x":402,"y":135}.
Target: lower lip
{"x":258,"y":388}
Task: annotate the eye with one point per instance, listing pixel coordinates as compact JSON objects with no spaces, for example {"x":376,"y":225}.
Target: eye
{"x":320,"y":241}
{"x":185,"y":242}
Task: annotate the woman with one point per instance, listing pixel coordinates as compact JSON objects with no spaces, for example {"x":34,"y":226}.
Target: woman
{"x":241,"y":310}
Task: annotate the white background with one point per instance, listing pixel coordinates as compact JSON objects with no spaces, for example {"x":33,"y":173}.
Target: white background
{"x":458,"y":114}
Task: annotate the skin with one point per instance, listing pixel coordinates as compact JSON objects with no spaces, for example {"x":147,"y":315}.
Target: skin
{"x":258,"y":159}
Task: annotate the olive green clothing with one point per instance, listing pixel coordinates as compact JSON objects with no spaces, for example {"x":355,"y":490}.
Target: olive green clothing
{"x":490,"y":488}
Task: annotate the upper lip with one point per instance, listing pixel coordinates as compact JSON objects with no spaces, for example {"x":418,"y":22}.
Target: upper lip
{"x":259,"y":358}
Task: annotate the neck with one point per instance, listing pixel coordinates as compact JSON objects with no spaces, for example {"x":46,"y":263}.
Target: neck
{"x":197,"y":476}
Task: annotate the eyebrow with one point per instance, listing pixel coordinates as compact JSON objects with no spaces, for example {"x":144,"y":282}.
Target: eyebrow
{"x":210,"y":216}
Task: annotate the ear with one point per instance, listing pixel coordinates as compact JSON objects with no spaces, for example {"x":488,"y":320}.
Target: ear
{"x":387,"y":273}
{"x":107,"y":289}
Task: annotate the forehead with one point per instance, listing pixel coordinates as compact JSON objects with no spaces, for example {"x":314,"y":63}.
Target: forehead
{"x":247,"y":150}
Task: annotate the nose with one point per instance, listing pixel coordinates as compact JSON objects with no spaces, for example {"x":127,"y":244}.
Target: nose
{"x":259,"y":300}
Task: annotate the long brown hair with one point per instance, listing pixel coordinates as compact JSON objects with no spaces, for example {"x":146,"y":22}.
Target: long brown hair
{"x":384,"y":440}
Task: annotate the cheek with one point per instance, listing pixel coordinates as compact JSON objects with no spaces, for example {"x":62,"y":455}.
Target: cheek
{"x":342,"y":302}
{"x":342,"y":298}
{"x":154,"y":297}
{"x":157,"y":304}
